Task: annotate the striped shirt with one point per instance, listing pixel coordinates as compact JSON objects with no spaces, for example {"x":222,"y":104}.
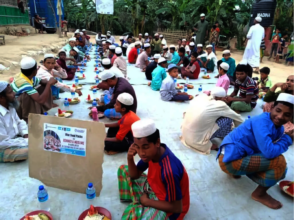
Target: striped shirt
{"x":248,"y":87}
{"x":168,"y":180}
{"x":22,"y":84}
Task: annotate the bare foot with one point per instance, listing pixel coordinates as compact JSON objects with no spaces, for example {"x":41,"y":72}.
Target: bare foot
{"x":214,"y":147}
{"x":149,"y":83}
{"x":236,"y":176}
{"x":266,"y":200}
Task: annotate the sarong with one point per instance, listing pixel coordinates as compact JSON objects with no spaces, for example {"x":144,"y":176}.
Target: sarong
{"x":131,"y":191}
{"x":204,"y":59}
{"x":13,"y":154}
{"x":268,"y":107}
{"x":27,"y":105}
{"x":210,"y":65}
{"x":225,"y":127}
{"x":262,"y":171}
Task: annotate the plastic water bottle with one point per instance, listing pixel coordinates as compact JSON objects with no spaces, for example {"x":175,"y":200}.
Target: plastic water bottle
{"x":91,"y":193}
{"x":73,"y":95}
{"x":76,"y":80}
{"x":175,"y":80}
{"x":205,"y":71}
{"x":97,"y":80}
{"x":95,"y":114}
{"x":185,"y":88}
{"x":248,"y":118}
{"x":43,"y":198}
{"x":200,"y":88}
{"x":187,"y":80}
{"x":94,"y":103}
{"x":66,"y":104}
{"x":94,"y":93}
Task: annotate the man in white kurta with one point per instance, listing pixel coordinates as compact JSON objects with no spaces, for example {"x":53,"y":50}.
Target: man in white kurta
{"x":252,"y":51}
{"x":13,"y":131}
{"x":200,"y":122}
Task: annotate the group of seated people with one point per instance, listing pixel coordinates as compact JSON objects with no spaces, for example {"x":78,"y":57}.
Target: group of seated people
{"x":257,"y":144}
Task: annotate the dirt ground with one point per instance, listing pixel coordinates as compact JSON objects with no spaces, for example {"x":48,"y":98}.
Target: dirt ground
{"x":36,"y":45}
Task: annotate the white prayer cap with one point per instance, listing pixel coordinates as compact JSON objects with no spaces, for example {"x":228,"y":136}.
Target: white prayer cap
{"x":156,"y":56}
{"x":184,"y":39}
{"x":137,"y":43}
{"x":218,"y":92}
{"x":61,"y":50}
{"x":112,"y":47}
{"x":284,"y":97}
{"x":224,"y":66}
{"x":121,"y":38}
{"x":81,"y":33}
{"x":258,"y":19}
{"x":161,"y":60}
{"x":107,"y":74}
{"x":108,"y":34}
{"x":140,"y":34}
{"x":162,"y":43}
{"x":202,"y":15}
{"x":103,"y":42}
{"x":146,"y":45}
{"x":209,"y":46}
{"x":172,"y":46}
{"x":199,"y":45}
{"x":161,"y":35}
{"x":156,"y":34}
{"x":106,"y":61}
{"x":165,"y":47}
{"x":27,"y":63}
{"x":72,"y":39}
{"x":77,"y":31}
{"x":226,"y":51}
{"x":76,"y":49}
{"x":48,"y":55}
{"x":126,"y":99}
{"x":143,"y":128}
{"x":103,"y":36}
{"x":84,"y":30}
{"x":192,"y":44}
{"x":3,"y":85}
{"x":109,"y":41}
{"x":146,"y":34}
{"x":118,"y":50}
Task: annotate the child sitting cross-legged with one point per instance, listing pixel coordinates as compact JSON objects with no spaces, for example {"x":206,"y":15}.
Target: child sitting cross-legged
{"x":119,"y":135}
{"x":168,"y":91}
{"x":164,"y":192}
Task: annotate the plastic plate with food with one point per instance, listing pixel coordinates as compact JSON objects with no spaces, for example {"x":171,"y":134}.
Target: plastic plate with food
{"x":190,"y":86}
{"x":79,"y":87}
{"x":93,"y":87}
{"x":38,"y":215}
{"x":63,"y":113}
{"x":74,"y":101}
{"x":82,"y":77}
{"x":179,"y":86}
{"x":206,"y":77}
{"x":95,"y":213}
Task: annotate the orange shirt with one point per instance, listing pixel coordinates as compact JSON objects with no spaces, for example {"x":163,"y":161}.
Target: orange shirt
{"x":125,"y":124}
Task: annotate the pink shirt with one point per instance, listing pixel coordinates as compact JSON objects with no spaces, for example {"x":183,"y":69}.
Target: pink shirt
{"x":223,"y":81}
{"x":113,"y":58}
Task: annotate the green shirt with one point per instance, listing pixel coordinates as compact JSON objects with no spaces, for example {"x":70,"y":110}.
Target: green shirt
{"x":265,"y":83}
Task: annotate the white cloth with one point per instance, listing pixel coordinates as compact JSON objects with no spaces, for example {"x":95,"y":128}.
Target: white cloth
{"x":212,"y":57}
{"x":252,"y":51}
{"x":187,"y":49}
{"x":163,"y":41}
{"x":131,"y":46}
{"x":112,"y":39}
{"x":10,"y":127}
{"x":199,"y":123}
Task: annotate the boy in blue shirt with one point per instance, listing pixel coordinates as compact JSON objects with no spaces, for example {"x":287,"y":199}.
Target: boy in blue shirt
{"x":255,"y":149}
{"x":158,"y":74}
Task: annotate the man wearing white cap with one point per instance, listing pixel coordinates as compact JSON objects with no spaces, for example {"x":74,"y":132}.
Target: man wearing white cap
{"x":120,"y":62}
{"x":232,"y":64}
{"x":155,"y":44}
{"x":256,"y":148}
{"x":146,"y":38}
{"x":163,"y":41}
{"x":166,"y":54}
{"x":112,"y":54}
{"x":134,"y":53}
{"x":143,"y":60}
{"x":142,"y":40}
{"x":118,"y":85}
{"x":192,"y":48}
{"x":71,"y":44}
{"x":32,"y":99}
{"x":211,"y":62}
{"x":158,"y":74}
{"x":119,"y":135}
{"x":187,"y":48}
{"x":14,"y":132}
{"x":223,"y":79}
{"x":212,"y":119}
{"x":201,"y":30}
{"x":151,"y":66}
{"x":98,"y":38}
{"x":175,"y":56}
{"x":109,"y":37}
{"x":167,"y":180}
{"x":252,"y":51}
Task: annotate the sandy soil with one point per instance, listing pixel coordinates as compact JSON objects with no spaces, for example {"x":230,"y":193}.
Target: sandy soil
{"x":36,"y":45}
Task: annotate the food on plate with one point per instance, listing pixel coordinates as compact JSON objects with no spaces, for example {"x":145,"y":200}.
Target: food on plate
{"x":189,"y":86}
{"x":79,"y":87}
{"x":40,"y":216}
{"x":82,"y":77}
{"x":206,"y":77}
{"x":78,"y":70}
{"x":179,"y":86}
{"x":62,"y":113}
{"x":73,"y":101}
{"x":94,"y":215}
{"x":93,"y":87}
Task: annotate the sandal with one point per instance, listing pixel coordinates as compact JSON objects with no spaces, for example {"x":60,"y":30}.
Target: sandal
{"x":287,"y":187}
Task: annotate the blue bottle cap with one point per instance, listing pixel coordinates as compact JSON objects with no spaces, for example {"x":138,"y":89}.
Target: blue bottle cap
{"x":249,"y":116}
{"x":65,"y":99}
{"x":90,"y":185}
{"x":45,"y":113}
{"x":41,"y":187}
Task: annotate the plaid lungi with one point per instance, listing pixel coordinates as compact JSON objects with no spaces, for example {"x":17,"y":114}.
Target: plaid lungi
{"x":131,"y":191}
{"x":225,"y":127}
{"x":263,"y":171}
{"x":13,"y":154}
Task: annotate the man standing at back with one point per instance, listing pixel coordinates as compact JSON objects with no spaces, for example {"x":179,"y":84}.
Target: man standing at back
{"x":201,"y":29}
{"x":254,"y":38}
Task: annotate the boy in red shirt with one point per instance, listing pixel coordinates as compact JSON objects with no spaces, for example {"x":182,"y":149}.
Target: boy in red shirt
{"x":119,"y":135}
{"x":133,"y":55}
{"x":193,"y":69}
{"x":164,"y":192}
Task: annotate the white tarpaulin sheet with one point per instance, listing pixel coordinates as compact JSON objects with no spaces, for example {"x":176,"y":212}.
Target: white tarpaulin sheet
{"x":104,"y":7}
